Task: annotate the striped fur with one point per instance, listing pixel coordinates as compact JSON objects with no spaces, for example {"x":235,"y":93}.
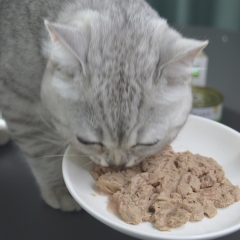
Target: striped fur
{"x":110,"y":72}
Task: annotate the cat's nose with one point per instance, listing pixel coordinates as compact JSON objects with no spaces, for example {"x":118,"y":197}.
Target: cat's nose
{"x":117,"y":160}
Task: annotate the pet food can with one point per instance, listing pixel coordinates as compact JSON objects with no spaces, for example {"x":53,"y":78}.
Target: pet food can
{"x":207,"y":102}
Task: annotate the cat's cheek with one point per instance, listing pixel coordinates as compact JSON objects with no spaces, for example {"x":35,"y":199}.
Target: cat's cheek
{"x":101,"y":151}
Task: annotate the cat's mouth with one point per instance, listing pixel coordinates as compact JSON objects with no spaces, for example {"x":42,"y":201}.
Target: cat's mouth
{"x":112,"y":164}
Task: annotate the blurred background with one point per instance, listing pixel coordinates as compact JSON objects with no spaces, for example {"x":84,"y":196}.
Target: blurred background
{"x":218,"y":67}
{"x":220,"y":14}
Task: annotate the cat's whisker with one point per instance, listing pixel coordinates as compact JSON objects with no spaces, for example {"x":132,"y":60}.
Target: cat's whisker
{"x":86,"y":164}
{"x":51,"y":156}
{"x":89,"y":167}
{"x":62,"y":144}
{"x":46,"y":123}
{"x":52,"y":128}
{"x":181,"y":29}
{"x":49,"y":133}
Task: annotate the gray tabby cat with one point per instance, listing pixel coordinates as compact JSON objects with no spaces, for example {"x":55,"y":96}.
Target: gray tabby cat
{"x":109,"y":77}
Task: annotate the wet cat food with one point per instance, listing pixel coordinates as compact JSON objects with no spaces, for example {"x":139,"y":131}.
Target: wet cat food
{"x":167,"y":189}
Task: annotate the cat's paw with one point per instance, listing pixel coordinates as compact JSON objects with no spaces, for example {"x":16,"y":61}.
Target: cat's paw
{"x":60,"y":198}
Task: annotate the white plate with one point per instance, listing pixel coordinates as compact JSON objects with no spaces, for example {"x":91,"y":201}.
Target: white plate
{"x":199,"y":135}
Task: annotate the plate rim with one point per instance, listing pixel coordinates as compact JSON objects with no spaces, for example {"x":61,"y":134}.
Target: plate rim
{"x":142,"y":234}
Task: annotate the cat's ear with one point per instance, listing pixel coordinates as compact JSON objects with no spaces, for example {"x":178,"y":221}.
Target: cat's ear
{"x":186,"y":49}
{"x":75,"y":39}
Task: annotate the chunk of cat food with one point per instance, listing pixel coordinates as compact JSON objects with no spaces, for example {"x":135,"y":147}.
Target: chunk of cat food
{"x":133,"y":208}
{"x":168,"y":189}
{"x":112,"y":180}
{"x":100,"y":171}
{"x":168,"y":214}
{"x":208,"y":207}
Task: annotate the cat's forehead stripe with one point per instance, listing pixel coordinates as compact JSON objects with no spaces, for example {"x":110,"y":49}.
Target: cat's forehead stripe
{"x":119,"y":108}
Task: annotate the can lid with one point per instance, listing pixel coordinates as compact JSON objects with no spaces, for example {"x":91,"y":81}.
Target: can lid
{"x":206,"y":97}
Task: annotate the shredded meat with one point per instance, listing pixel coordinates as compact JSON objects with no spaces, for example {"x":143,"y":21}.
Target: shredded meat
{"x":167,"y":189}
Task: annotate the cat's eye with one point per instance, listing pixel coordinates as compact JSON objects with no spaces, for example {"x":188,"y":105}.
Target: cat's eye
{"x":86,"y":142}
{"x":145,"y":144}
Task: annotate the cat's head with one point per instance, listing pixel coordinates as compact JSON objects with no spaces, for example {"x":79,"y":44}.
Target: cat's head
{"x":118,"y":92}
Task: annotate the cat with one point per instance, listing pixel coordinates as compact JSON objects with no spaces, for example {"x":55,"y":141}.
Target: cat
{"x":109,"y":77}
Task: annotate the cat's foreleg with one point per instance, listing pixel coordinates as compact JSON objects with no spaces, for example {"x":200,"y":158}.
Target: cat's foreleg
{"x":48,"y":173}
{"x":44,"y":156}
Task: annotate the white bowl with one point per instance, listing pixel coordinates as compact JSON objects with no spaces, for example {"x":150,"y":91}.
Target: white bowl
{"x":199,"y":135}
